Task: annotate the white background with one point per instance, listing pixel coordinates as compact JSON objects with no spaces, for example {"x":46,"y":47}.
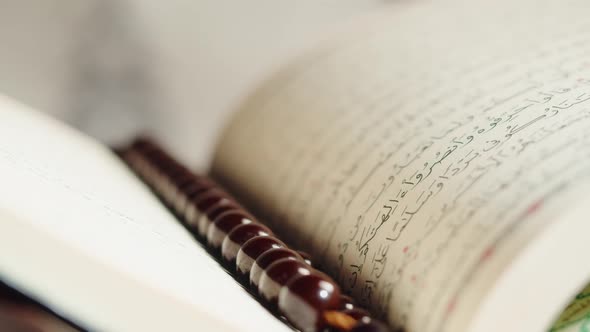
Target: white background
{"x":176,"y":68}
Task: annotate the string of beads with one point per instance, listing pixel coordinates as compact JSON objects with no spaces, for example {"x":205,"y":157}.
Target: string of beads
{"x":282,"y":278}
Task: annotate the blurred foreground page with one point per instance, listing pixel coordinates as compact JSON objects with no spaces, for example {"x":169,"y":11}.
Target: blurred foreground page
{"x":82,"y":235}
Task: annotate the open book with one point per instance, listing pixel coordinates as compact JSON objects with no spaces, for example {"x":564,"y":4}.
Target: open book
{"x":436,"y":163}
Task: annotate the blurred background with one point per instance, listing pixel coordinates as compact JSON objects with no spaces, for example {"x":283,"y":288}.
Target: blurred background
{"x":173,"y":68}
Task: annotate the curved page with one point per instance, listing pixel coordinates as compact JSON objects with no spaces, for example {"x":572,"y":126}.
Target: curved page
{"x":423,"y":160}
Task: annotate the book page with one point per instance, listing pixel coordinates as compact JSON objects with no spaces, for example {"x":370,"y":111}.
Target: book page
{"x":427,"y":161}
{"x":81,"y":234}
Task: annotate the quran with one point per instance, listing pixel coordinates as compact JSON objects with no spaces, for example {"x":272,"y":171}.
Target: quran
{"x":435,"y":162}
